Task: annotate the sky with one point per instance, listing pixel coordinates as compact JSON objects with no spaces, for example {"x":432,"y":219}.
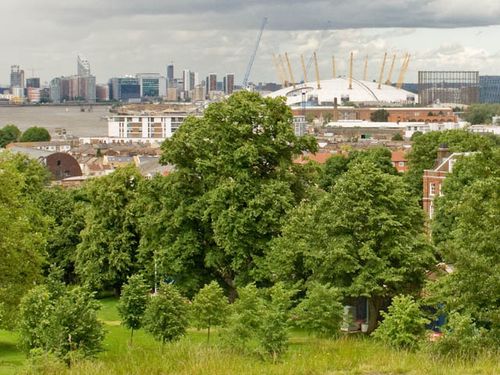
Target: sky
{"x":125,"y":37}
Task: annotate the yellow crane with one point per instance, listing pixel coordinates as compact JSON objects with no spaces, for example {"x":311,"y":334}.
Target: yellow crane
{"x":317,"y":70}
{"x":382,"y":72}
{"x":365,"y":72}
{"x":402,"y":72}
{"x":389,"y":76}
{"x":290,"y":69}
{"x":350,"y":71}
{"x":283,"y":70}
{"x":304,"y":70}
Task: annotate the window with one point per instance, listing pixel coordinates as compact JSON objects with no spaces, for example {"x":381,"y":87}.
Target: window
{"x":401,"y":163}
{"x":432,"y":189}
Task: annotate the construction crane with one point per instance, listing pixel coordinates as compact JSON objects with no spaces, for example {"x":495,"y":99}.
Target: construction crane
{"x":283,"y":70}
{"x":389,"y":76}
{"x":252,"y":58}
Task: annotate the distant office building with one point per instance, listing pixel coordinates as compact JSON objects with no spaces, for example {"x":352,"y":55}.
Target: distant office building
{"x":16,"y":77}
{"x":186,"y":80}
{"x":83,"y":66}
{"x":153,"y":85}
{"x":74,"y":88}
{"x":457,"y":87}
{"x":33,"y":94}
{"x":33,"y":82}
{"x":125,"y":89}
{"x":102,"y":92}
{"x":193,"y":77}
{"x":170,"y":76}
{"x":172,"y":94}
{"x":211,"y":83}
{"x":228,"y":82}
{"x":489,"y":89}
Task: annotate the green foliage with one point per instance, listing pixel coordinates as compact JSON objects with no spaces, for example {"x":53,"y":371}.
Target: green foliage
{"x":320,"y":312}
{"x":9,"y":134}
{"x":133,"y":302}
{"x":415,"y":135}
{"x":481,"y":113}
{"x":380,"y":115}
{"x":233,"y":183}
{"x":166,"y":315}
{"x":338,"y":164}
{"x":109,"y":241}
{"x":397,"y":137}
{"x":423,"y":153}
{"x":461,"y":338}
{"x":210,"y":307}
{"x":472,"y":245}
{"x":61,"y":321}
{"x":403,"y":325}
{"x":35,"y":134}
{"x":365,"y":236}
{"x":22,"y":237}
{"x":273,"y":331}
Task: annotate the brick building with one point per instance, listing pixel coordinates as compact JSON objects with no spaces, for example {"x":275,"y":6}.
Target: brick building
{"x":399,"y":161}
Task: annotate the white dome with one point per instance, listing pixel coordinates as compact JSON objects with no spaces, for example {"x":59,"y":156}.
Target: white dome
{"x":361,"y":92}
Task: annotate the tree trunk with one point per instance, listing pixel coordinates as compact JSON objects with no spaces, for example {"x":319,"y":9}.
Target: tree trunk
{"x":375,"y":303}
{"x":208,"y":336}
{"x":131,"y":336}
{"x":232,"y":292}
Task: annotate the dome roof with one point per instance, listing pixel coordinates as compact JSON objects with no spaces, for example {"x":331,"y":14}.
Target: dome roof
{"x":361,"y":92}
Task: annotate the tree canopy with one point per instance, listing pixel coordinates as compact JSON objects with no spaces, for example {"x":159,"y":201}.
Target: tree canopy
{"x":35,"y":134}
{"x":9,"y":134}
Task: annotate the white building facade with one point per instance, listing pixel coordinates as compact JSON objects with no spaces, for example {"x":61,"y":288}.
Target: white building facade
{"x":145,"y":127}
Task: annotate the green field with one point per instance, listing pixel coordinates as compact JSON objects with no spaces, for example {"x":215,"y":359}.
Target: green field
{"x":306,"y":355}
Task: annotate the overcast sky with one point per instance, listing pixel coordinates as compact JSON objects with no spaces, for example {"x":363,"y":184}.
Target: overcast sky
{"x":129,"y":36}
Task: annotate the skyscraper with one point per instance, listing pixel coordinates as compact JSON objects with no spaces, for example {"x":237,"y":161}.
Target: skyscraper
{"x":186,"y":81}
{"x":83,"y":66}
{"x":16,"y":77}
{"x":211,"y":83}
{"x":229,"y":83}
{"x":170,"y":72}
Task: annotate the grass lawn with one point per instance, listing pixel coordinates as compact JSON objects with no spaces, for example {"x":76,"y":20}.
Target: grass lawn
{"x":192,"y":355}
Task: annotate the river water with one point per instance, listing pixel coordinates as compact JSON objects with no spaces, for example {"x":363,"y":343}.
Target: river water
{"x":76,"y":123}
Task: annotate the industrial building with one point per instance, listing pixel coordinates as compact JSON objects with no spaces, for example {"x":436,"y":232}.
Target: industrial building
{"x":450,"y":87}
{"x":489,"y":89}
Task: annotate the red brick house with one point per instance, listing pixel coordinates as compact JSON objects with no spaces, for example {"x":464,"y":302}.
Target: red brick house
{"x":399,"y":161}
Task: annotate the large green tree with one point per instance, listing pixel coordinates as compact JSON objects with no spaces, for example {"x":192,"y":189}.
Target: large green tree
{"x":8,"y":134}
{"x":107,"y":253}
{"x":365,"y":236}
{"x":22,"y":238}
{"x":233,"y":183}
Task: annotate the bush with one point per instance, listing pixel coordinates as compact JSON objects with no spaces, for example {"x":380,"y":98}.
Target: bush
{"x":166,"y":314}
{"x":397,"y":137}
{"x":320,"y":312}
{"x":403,"y":325}
{"x":461,"y":338}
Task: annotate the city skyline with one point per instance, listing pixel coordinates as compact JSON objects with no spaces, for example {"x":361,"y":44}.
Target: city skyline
{"x":124,"y":37}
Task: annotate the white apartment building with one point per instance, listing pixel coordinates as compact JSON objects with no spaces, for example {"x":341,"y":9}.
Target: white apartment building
{"x":145,"y":127}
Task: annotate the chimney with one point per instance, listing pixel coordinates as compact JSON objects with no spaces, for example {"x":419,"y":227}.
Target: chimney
{"x":442,"y":153}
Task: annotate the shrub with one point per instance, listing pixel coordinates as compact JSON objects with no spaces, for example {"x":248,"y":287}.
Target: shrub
{"x":403,"y":325}
{"x":320,"y":312}
{"x":35,"y":134}
{"x":461,"y":338}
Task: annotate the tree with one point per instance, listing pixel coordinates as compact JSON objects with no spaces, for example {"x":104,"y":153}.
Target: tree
{"x":473,"y":288}
{"x":397,"y":137}
{"x":424,"y":151}
{"x":320,"y":311}
{"x":23,"y":236}
{"x":403,"y":326}
{"x":210,"y":307}
{"x":481,"y":113}
{"x":35,"y":134}
{"x":166,"y":316}
{"x":232,"y":185}
{"x":61,"y":321}
{"x":133,"y":303}
{"x":365,"y":237}
{"x":107,"y":253}
{"x":380,"y":115}
{"x":9,"y":134}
